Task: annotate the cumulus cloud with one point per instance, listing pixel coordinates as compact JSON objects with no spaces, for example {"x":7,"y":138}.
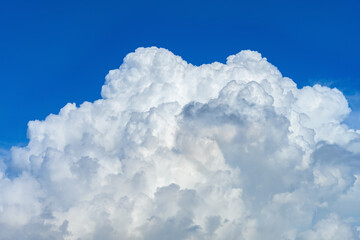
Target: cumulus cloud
{"x":177,"y":151}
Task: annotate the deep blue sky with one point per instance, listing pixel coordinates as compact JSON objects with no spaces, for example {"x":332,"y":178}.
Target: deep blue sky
{"x":54,"y":52}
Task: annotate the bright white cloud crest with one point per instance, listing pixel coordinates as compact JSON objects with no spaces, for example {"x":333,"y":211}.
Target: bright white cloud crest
{"x":176,"y":151}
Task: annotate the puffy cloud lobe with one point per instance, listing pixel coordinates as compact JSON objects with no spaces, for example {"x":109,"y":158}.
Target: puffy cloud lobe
{"x":176,"y":151}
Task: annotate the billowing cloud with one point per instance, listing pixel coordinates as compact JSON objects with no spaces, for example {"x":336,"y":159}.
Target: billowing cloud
{"x":177,"y":151}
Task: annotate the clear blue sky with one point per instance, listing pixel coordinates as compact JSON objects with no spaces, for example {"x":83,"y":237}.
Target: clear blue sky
{"x":54,"y":52}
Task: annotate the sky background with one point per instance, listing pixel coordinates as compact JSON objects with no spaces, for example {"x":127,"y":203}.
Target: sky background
{"x":53,"y":52}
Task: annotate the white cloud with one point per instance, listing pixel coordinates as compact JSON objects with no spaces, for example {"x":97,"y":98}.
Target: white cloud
{"x":176,"y":151}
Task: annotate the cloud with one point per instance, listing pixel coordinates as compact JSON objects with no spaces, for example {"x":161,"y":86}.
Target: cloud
{"x":176,"y":151}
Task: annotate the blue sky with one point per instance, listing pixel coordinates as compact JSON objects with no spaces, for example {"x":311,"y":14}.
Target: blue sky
{"x":54,"y":52}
